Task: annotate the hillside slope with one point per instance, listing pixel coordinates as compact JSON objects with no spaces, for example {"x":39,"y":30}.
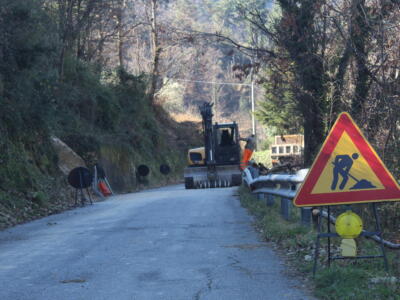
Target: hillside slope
{"x":102,"y":114}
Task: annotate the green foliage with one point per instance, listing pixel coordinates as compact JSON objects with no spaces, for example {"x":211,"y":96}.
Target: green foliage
{"x":28,"y":46}
{"x":230,"y":13}
{"x":279,"y":110}
{"x":262,"y":157}
{"x":40,"y":198}
{"x":332,"y":283}
{"x":354,"y":282}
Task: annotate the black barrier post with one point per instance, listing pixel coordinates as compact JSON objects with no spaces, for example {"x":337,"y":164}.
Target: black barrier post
{"x":261,"y":196}
{"x":76,"y":197}
{"x":83,"y":199}
{"x":270,"y":200}
{"x":329,"y":238}
{"x":90,"y":197}
{"x":285,"y":208}
{"x":316,"y":253}
{"x":379,"y":233}
{"x":306,"y":216}
{"x":80,"y":189}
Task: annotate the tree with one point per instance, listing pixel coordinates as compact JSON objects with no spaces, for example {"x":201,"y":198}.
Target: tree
{"x":297,"y":34}
{"x":156,"y":50}
{"x":295,"y":41}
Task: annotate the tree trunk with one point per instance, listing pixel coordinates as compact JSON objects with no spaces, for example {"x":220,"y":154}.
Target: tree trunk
{"x":300,"y":41}
{"x":65,"y":12}
{"x":336,"y":106}
{"x":121,"y":42}
{"x":156,"y":52}
{"x":359,"y":37}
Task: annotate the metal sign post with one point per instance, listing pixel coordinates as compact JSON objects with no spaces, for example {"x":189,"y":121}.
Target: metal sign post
{"x":364,"y":233}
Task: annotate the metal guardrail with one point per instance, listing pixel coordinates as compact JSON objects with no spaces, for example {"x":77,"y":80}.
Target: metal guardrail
{"x":285,"y":186}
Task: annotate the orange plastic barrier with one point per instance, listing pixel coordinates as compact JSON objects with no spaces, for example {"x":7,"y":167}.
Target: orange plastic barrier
{"x":104,"y":189}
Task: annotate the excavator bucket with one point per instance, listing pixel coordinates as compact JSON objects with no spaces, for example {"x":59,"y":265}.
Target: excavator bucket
{"x":215,"y":177}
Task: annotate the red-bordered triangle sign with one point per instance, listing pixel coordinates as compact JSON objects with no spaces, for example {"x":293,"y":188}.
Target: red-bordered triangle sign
{"x":347,"y":170}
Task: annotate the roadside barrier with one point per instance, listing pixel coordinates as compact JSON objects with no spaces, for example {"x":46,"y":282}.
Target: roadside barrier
{"x":284,"y":186}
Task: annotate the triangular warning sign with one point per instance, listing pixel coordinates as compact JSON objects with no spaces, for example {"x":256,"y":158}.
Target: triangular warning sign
{"x":347,"y":170}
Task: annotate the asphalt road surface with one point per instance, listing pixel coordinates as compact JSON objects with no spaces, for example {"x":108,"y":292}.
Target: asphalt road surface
{"x":167,"y":243}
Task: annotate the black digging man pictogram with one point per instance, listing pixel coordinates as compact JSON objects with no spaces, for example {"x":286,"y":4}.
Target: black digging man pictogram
{"x":342,"y":166}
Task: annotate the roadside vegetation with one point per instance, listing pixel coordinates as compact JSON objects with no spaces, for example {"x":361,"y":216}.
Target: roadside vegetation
{"x":263,"y":156}
{"x":51,"y":84}
{"x":351,"y":279}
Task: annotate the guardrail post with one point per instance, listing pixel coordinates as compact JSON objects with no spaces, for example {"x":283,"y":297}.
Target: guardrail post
{"x":306,"y":216}
{"x":270,"y":200}
{"x":261,"y":196}
{"x":285,"y":208}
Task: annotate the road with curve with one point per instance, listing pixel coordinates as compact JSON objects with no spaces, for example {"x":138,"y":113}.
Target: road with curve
{"x":166,"y":243}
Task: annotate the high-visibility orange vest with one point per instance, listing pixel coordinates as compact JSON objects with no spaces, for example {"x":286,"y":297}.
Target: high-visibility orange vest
{"x":245,"y":159}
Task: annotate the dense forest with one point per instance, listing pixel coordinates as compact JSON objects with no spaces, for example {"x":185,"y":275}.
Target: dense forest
{"x":326,"y":57}
{"x":116,"y":79}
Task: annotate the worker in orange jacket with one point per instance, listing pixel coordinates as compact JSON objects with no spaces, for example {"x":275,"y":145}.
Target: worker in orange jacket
{"x":248,"y":150}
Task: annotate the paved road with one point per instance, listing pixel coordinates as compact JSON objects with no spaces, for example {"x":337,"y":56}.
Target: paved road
{"x":166,"y":243}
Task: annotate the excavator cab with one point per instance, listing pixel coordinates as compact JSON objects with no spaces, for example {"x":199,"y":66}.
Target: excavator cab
{"x":227,"y":150}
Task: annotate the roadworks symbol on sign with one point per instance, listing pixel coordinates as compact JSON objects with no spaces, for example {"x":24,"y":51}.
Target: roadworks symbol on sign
{"x":347,"y":170}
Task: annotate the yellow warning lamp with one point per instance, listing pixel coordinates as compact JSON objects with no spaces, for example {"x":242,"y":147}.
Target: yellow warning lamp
{"x":348,"y":225}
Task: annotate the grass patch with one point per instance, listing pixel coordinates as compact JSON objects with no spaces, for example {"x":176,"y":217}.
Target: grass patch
{"x":354,"y":282}
{"x":347,"y":279}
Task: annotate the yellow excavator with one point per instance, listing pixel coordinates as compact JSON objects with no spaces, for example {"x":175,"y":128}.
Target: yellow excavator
{"x":217,"y":163}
